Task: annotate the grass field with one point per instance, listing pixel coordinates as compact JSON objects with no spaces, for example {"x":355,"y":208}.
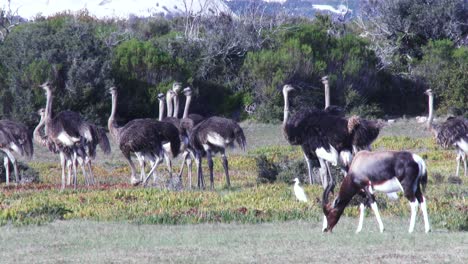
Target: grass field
{"x":289,"y":242}
{"x":116,"y":222}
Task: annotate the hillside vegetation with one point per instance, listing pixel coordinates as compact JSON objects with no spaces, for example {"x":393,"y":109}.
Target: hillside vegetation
{"x":376,"y":67}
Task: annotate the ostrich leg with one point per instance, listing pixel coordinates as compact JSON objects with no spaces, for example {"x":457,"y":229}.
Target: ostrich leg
{"x":189,"y":171}
{"x":90,"y":170}
{"x":226,"y":168}
{"x":201,"y":181}
{"x":15,"y":165}
{"x":63,"y":165}
{"x":209,"y":157}
{"x":309,"y":169}
{"x":83,"y":170}
{"x":133,"y":180}
{"x":155,"y":165}
{"x":7,"y":170}
{"x":184,"y":158}
{"x":69,"y":171}
{"x":464,"y":162}
{"x":324,"y":172}
{"x":168,"y":164}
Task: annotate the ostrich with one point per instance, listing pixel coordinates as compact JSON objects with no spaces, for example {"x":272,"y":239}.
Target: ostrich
{"x":143,"y":137}
{"x":98,"y":136}
{"x":321,"y":135}
{"x":187,"y":123}
{"x":364,"y":131}
{"x":453,"y":132}
{"x":68,"y":130}
{"x":184,"y":125}
{"x":14,"y":139}
{"x":211,"y":136}
{"x":44,"y":141}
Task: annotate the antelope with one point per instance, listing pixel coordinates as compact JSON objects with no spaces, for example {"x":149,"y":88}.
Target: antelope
{"x":384,"y":171}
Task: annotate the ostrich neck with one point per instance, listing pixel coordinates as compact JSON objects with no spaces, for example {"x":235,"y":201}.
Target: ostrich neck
{"x":286,"y":108}
{"x":169,"y":104}
{"x":327,"y":95}
{"x":48,"y":111}
{"x":431,"y":111}
{"x":176,"y":106}
{"x":112,"y":124}
{"x":161,"y":110}
{"x":187,"y":105}
{"x":37,"y":134}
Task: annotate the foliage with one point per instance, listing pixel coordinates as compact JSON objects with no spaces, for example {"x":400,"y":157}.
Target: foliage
{"x":64,"y":50}
{"x":448,"y":79}
{"x":266,"y":170}
{"x":399,"y":28}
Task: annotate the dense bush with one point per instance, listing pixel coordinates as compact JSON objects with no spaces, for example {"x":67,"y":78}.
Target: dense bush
{"x":232,"y":62}
{"x":448,"y":66}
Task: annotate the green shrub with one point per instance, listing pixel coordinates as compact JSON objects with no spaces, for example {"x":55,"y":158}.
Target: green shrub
{"x":267,"y":170}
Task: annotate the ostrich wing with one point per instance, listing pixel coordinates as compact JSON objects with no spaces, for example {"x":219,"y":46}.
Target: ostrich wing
{"x":223,"y":129}
{"x":70,"y":122}
{"x":363,"y":132}
{"x":317,"y":129}
{"x":19,"y":135}
{"x":451,"y":131}
{"x":148,"y":135}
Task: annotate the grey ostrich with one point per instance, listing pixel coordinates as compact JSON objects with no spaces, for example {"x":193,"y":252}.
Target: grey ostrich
{"x":187,"y":123}
{"x":98,"y":136}
{"x":453,"y":132}
{"x":14,"y":140}
{"x":184,"y":125}
{"x":67,"y":129}
{"x":211,"y":136}
{"x":143,"y":137}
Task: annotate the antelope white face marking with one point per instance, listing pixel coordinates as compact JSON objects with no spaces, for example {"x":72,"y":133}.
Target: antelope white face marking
{"x":389,"y":186}
{"x":330,"y":156}
{"x":463,"y":145}
{"x":67,"y":139}
{"x":216,"y":139}
{"x":324,"y":224}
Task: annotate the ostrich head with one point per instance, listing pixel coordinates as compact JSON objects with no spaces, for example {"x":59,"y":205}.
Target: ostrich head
{"x":45,"y":86}
{"x":176,"y":86}
{"x":187,"y":91}
{"x":287,"y":88}
{"x":41,"y":112}
{"x":324,"y":79}
{"x":112,"y":90}
{"x":160,"y":96}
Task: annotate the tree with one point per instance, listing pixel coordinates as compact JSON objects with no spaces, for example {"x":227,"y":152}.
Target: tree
{"x":63,"y":49}
{"x":399,"y":28}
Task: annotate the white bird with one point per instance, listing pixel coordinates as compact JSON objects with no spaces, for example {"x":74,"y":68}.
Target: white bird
{"x":299,"y":192}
